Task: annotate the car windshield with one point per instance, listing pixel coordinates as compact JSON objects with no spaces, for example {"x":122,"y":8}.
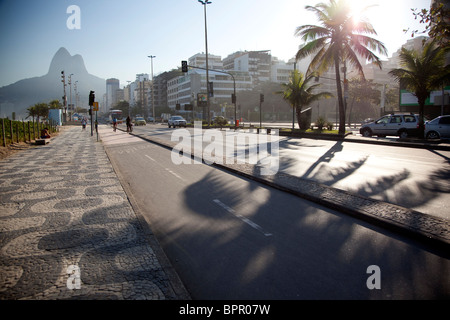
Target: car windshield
{"x":177,"y":118}
{"x":383,"y":120}
{"x":139,"y":118}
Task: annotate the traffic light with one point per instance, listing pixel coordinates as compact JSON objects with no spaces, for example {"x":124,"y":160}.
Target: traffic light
{"x":233,"y":98}
{"x":91,"y":98}
{"x":184,"y":66}
{"x":261,"y":98}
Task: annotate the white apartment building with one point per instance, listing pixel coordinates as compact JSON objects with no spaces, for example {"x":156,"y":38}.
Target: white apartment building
{"x":184,"y":89}
{"x":256,"y":63}
{"x":199,"y":60}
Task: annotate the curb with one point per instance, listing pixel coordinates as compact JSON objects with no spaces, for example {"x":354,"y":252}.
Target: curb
{"x":408,"y":143}
{"x":410,"y":223}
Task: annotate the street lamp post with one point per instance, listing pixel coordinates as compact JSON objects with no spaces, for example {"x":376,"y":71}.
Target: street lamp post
{"x":70,"y":95}
{"x":153,"y":92}
{"x":204,"y":3}
{"x":63,"y":76}
{"x":76,"y":96}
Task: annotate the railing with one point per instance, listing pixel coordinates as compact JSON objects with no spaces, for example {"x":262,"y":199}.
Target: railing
{"x":13,"y":131}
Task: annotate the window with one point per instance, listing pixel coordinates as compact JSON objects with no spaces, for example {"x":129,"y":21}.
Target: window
{"x":396,"y":119}
{"x":444,"y":120}
{"x":382,"y":120}
{"x":410,"y":119}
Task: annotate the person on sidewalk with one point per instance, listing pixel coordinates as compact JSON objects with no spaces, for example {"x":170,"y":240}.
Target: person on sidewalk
{"x":45,"y":134}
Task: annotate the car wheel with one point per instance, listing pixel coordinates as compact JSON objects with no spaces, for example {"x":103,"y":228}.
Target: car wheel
{"x":367,"y":133}
{"x":433,"y":135}
{"x":169,"y":125}
{"x":403,"y":134}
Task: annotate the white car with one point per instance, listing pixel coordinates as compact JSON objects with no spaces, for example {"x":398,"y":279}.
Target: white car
{"x":438,"y":128}
{"x":177,"y":121}
{"x":402,"y":125}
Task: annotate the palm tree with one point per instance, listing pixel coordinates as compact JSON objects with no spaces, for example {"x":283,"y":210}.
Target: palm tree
{"x":298,"y":93}
{"x":32,"y":112}
{"x":40,"y":110}
{"x":423,"y":72}
{"x":339,"y":39}
{"x":55,"y":104}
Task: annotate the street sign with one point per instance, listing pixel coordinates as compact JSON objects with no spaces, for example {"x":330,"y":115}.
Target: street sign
{"x":95,"y":106}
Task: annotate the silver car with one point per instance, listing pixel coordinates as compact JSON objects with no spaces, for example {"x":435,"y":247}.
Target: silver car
{"x":402,"y":125}
{"x":438,"y":128}
{"x":177,"y":121}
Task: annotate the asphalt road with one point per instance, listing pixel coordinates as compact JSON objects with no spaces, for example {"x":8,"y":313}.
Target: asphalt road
{"x":231,"y":238}
{"x":413,"y":178}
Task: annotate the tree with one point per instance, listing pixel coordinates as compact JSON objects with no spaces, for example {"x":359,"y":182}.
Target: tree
{"x":55,"y":104}
{"x":298,"y":93}
{"x":340,"y":39}
{"x":362,"y":94}
{"x":422,"y":72}
{"x":436,"y":20}
{"x":124,"y":106}
{"x":32,"y":112}
{"x":38,"y":110}
{"x":41,"y":110}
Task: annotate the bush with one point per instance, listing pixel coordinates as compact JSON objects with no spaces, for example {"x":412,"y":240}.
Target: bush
{"x":329,"y":126}
{"x":320,"y":123}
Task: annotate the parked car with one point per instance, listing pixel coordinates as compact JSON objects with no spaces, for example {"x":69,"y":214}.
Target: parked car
{"x":438,"y":128}
{"x":139,"y":121}
{"x":402,"y":125}
{"x":177,"y":121}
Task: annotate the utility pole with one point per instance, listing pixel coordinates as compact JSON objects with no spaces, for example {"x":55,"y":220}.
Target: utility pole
{"x":63,"y":76}
{"x":153,"y":92}
{"x":70,"y":86}
{"x":204,"y":3}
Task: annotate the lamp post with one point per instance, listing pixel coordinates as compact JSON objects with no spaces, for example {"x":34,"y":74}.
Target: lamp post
{"x":70,"y":95}
{"x":204,"y":3}
{"x":63,"y":77}
{"x":76,"y":96}
{"x":153,"y":92}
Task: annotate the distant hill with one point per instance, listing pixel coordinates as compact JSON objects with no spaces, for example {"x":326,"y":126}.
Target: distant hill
{"x":17,"y":97}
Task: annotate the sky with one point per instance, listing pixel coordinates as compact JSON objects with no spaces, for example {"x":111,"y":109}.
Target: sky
{"x":115,"y":38}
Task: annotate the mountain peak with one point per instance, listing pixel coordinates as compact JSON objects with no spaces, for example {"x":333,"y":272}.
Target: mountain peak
{"x":63,"y":61}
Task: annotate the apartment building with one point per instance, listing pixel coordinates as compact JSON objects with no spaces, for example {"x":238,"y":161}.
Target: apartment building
{"x":112,"y":85}
{"x":256,"y":63}
{"x":199,"y":60}
{"x":184,"y":89}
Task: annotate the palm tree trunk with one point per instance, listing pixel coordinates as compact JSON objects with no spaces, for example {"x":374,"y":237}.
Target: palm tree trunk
{"x":298,"y":111}
{"x":340,"y":98}
{"x":421,"y":120}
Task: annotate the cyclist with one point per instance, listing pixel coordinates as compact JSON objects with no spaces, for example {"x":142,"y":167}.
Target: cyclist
{"x":129,"y":125}
{"x":114,"y":124}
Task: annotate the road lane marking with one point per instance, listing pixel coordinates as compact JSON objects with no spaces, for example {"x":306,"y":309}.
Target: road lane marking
{"x":174,"y":174}
{"x":167,"y":169}
{"x":242,"y":218}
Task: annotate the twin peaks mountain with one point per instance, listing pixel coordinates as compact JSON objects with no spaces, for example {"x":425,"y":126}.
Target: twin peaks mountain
{"x":17,"y":97}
